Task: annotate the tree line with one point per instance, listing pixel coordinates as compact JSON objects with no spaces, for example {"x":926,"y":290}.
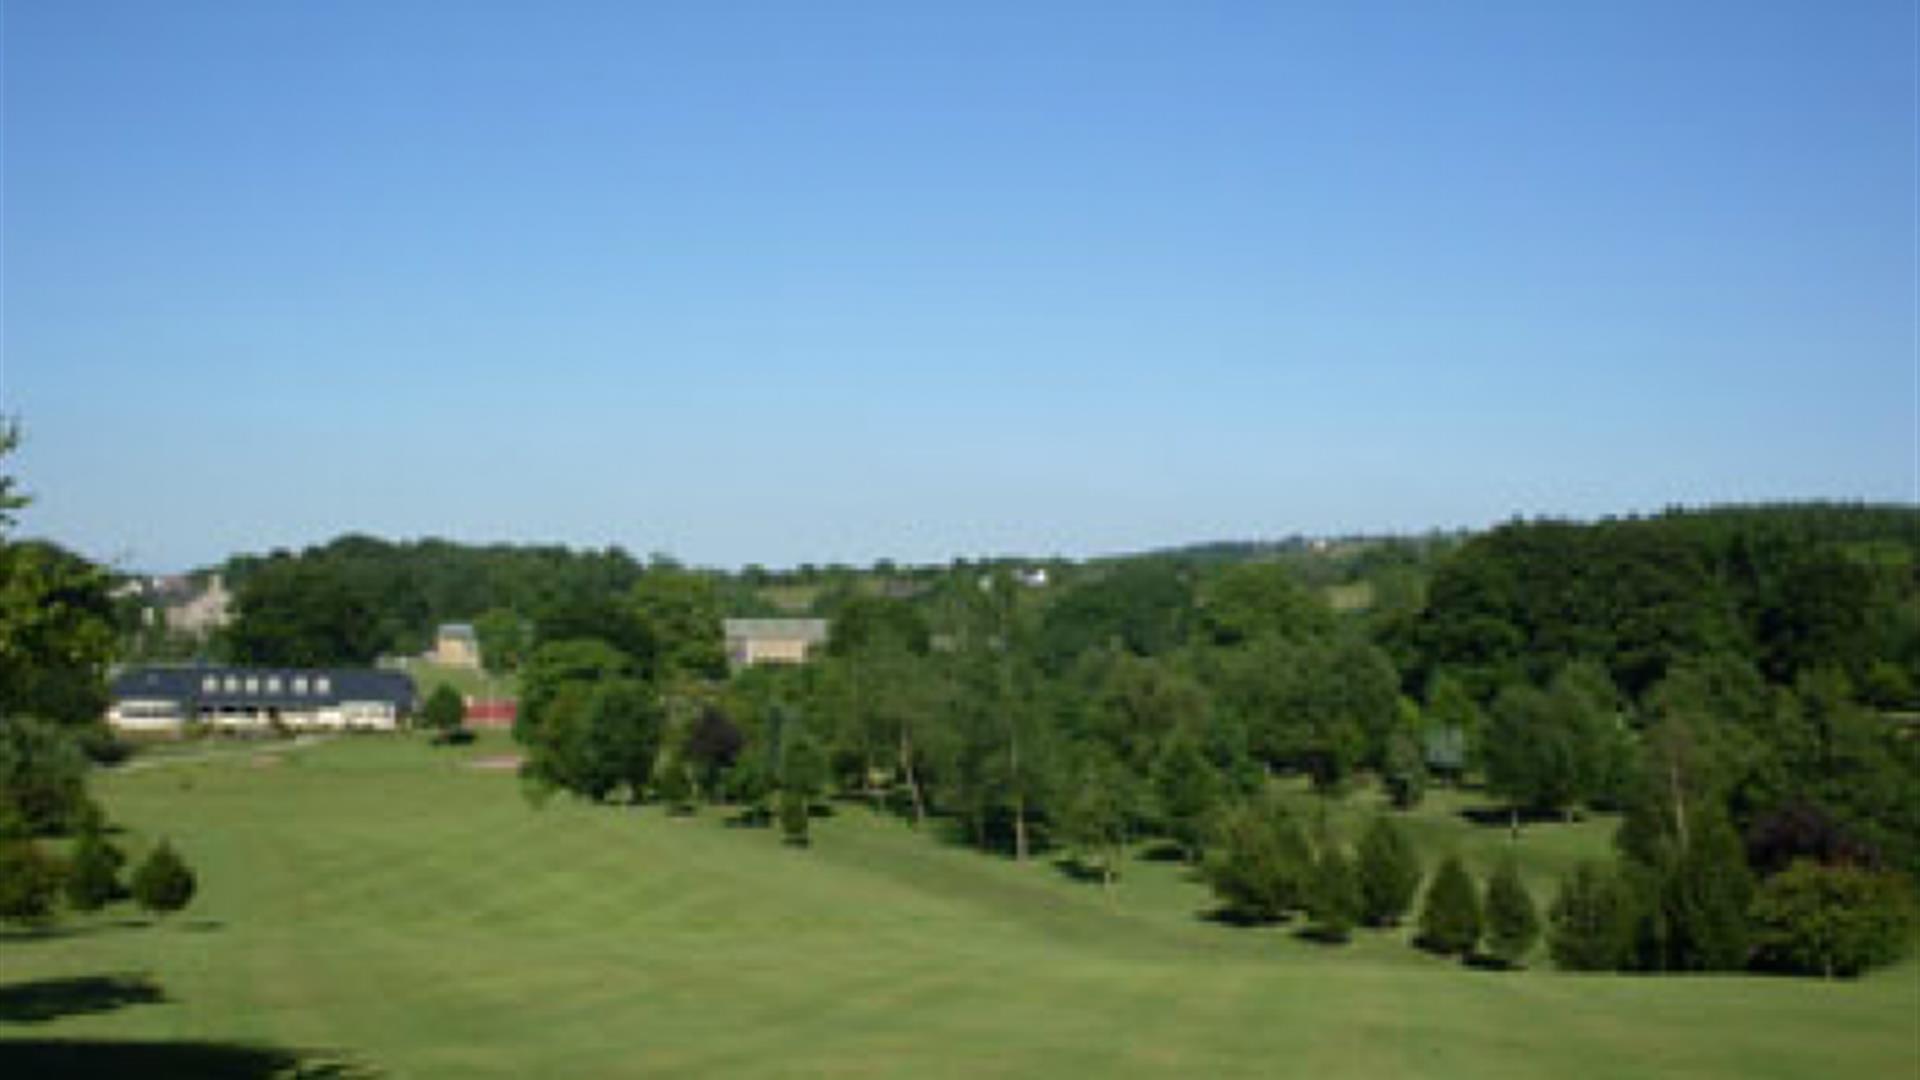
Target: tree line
{"x":1754,"y":745}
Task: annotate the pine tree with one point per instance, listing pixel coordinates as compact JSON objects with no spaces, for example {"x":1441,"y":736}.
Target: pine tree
{"x":1450,"y":919}
{"x":93,"y":870}
{"x":1389,"y":874}
{"x":163,"y":883}
{"x":796,"y":820}
{"x":1334,"y":900}
{"x":29,"y":882}
{"x":1513,"y":925}
{"x":1590,"y":924}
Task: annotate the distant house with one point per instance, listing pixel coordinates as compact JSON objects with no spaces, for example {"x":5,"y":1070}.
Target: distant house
{"x":456,"y":645}
{"x":773,"y":641}
{"x":164,"y":700}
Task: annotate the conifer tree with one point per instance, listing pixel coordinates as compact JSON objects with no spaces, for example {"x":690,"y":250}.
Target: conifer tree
{"x":93,"y":870}
{"x":163,"y":883}
{"x":1590,"y":924}
{"x":1389,"y":873}
{"x":1513,"y":925}
{"x":1450,"y":919}
{"x":1334,"y":900}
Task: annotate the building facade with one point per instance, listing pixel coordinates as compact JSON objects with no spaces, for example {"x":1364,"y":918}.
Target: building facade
{"x":456,"y":645}
{"x":165,"y":700}
{"x":773,"y":641}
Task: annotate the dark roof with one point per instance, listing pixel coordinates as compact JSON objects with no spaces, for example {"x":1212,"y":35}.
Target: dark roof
{"x":189,"y":686}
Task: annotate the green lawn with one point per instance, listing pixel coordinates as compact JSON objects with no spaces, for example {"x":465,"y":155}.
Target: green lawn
{"x":377,"y":901}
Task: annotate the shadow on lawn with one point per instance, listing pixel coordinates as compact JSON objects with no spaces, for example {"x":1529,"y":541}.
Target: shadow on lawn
{"x":49,"y":999}
{"x":159,"y":1060}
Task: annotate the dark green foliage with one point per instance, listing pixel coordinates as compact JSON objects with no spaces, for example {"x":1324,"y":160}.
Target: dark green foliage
{"x":163,"y":883}
{"x":1389,"y":873}
{"x":1450,"y":920}
{"x":1831,"y":920}
{"x":1687,"y":867}
{"x":29,"y":882}
{"x":56,"y":619}
{"x":1591,"y":922}
{"x":1513,"y":924}
{"x":1260,"y":865}
{"x":675,"y":787}
{"x":355,"y":597}
{"x":1404,"y":773}
{"x":713,"y":745}
{"x":593,"y":736}
{"x":1188,"y":790}
{"x":444,"y":712}
{"x":796,"y":818}
{"x":1255,"y":600}
{"x":1334,"y":900}
{"x":1103,"y":799}
{"x":1321,"y":706}
{"x":42,"y":778}
{"x":93,"y":870}
{"x":1550,"y":749}
{"x":1140,"y":605}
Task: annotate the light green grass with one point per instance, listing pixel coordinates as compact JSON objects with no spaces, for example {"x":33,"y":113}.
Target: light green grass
{"x":375,"y":897}
{"x":466,"y":682}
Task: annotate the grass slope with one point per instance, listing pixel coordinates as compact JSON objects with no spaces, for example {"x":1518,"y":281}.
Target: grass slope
{"x":378,"y":902}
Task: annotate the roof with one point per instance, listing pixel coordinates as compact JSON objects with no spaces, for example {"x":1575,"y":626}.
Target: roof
{"x":812,"y":631}
{"x":189,"y":685}
{"x":456,"y":630}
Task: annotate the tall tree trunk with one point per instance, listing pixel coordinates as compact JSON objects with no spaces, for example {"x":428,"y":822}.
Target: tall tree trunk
{"x":1513,"y":821}
{"x":1019,"y":798}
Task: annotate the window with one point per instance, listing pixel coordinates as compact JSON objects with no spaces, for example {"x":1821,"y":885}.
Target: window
{"x":323,"y":685}
{"x":253,"y":684}
{"x":273,"y":684}
{"x":233,"y":684}
{"x":300,"y":684}
{"x":210,"y":684}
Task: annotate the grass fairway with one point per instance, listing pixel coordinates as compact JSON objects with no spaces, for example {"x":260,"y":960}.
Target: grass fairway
{"x":379,"y":901}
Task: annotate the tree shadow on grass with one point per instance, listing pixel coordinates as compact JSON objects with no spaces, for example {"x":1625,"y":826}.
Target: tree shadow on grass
{"x":1499,"y":816}
{"x":163,"y":1060}
{"x":1074,"y":870}
{"x":49,"y":999}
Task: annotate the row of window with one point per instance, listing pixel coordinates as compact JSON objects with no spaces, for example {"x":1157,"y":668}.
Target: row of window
{"x":253,"y":684}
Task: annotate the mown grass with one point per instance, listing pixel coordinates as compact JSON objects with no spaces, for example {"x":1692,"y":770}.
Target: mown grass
{"x":376,"y":901}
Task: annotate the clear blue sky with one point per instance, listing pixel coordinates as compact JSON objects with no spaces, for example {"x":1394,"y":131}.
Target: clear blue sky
{"x":806,"y":282}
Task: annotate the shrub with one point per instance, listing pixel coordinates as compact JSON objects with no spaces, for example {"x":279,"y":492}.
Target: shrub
{"x":163,"y":883}
{"x":796,"y":819}
{"x":1389,"y":874}
{"x":1260,"y":866}
{"x":29,"y":882}
{"x":1512,"y":923}
{"x":1830,"y":920}
{"x":1450,"y":919}
{"x":1591,"y":921}
{"x":93,"y":872}
{"x":1335,"y":898}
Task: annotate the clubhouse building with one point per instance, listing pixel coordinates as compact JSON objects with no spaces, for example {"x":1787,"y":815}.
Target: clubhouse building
{"x":165,"y":700}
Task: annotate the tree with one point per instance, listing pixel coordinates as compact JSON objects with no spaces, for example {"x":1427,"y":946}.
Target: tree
{"x":29,"y":882}
{"x":443,"y":713}
{"x":1095,"y":817}
{"x":1188,"y":791}
{"x":1334,"y":901}
{"x":1260,"y":865}
{"x":1833,"y":921}
{"x":1591,"y":920}
{"x":1513,"y":924}
{"x":1450,"y":921}
{"x":1389,"y":873}
{"x":163,"y":883}
{"x":1405,"y":771}
{"x":42,"y":778}
{"x":712,"y":746}
{"x":796,"y":818}
{"x":93,"y":869}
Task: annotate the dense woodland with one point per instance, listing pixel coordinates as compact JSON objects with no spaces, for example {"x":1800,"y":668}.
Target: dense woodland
{"x":1738,"y":683}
